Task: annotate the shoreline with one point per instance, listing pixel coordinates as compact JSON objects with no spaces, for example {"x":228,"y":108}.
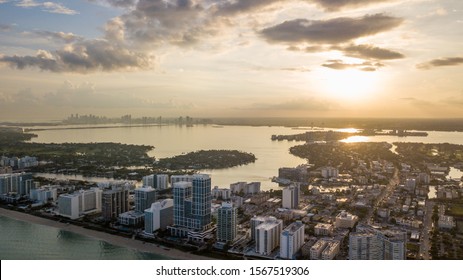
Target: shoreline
{"x":133,"y":244}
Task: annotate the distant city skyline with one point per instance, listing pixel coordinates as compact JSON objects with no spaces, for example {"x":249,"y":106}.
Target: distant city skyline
{"x":231,"y":58}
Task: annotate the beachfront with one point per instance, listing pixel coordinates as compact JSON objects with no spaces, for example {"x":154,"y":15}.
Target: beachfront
{"x":113,"y":239}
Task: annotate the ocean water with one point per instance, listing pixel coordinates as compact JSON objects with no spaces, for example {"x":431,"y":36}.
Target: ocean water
{"x":21,"y":240}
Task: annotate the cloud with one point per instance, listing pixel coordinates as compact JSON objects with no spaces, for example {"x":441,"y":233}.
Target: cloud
{"x":117,"y":3}
{"x":367,"y":66}
{"x":50,"y":7}
{"x":369,"y":52}
{"x":83,"y":57}
{"x":335,"y":5}
{"x":332,"y":31}
{"x":177,"y":22}
{"x":308,"y":49}
{"x":57,"y":36}
{"x":295,"y":69}
{"x":447,"y":61}
{"x":229,"y":8}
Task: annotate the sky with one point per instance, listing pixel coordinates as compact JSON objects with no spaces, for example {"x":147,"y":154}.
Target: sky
{"x":231,"y":58}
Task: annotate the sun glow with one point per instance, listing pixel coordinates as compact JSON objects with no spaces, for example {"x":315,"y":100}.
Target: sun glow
{"x":349,"y":85}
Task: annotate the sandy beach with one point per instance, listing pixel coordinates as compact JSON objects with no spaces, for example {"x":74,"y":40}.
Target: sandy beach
{"x":113,"y":239}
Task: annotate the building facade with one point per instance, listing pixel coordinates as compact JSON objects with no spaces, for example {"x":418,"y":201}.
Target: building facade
{"x":159,"y":216}
{"x":115,"y":202}
{"x":268,"y":235}
{"x":372,"y":244}
{"x":226,"y":222}
{"x":192,"y":206}
{"x":144,"y":197}
{"x":291,"y":240}
{"x":291,"y":197}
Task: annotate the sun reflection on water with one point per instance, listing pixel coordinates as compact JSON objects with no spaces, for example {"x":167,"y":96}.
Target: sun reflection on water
{"x":356,"y":139}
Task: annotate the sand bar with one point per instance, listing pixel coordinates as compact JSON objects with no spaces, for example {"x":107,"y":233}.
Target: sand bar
{"x":113,"y":239}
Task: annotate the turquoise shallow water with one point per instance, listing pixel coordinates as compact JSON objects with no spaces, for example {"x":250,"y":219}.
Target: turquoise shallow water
{"x":21,"y":240}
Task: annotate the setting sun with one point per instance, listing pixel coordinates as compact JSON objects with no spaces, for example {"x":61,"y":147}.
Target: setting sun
{"x":349,"y":85}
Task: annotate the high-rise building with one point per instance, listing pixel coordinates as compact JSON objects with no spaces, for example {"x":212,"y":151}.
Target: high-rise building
{"x":255,"y":221}
{"x":291,"y":240}
{"x":144,"y":197}
{"x":157,"y":181}
{"x":297,"y":174}
{"x":80,"y":203}
{"x":68,"y":205}
{"x":90,"y":200}
{"x":245,"y":188}
{"x":268,"y":235}
{"x":291,"y":197}
{"x":159,"y":215}
{"x":15,"y":183}
{"x":221,"y":193}
{"x":394,"y":244}
{"x":201,"y":201}
{"x":115,"y":202}
{"x":371,"y":244}
{"x":192,"y":205}
{"x":226,"y":222}
{"x":44,"y":194}
{"x":180,"y":178}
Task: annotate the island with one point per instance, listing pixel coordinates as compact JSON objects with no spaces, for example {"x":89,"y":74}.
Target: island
{"x":207,"y":159}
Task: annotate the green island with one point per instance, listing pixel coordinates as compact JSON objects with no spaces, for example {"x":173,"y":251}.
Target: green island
{"x":112,"y":160}
{"x":343,"y":154}
{"x":444,"y":153}
{"x":210,"y":159}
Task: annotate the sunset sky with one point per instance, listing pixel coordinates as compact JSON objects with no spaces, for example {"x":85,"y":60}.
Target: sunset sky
{"x":231,"y":58}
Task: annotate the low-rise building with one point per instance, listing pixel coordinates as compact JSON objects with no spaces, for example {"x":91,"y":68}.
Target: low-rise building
{"x":345,"y":220}
{"x":322,"y":229}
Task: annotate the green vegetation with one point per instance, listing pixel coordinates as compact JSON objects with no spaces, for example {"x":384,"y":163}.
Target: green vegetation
{"x":71,"y":155}
{"x":14,"y":135}
{"x":210,"y":159}
{"x":343,"y":154}
{"x":445,"y":154}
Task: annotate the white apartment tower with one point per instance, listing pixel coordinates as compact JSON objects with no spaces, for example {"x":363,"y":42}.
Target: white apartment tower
{"x":291,"y":240}
{"x":291,"y":197}
{"x":268,"y":235}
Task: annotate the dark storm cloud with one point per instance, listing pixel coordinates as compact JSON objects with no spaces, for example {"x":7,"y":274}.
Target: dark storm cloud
{"x":447,"y":61}
{"x":369,"y":52}
{"x":83,"y":57}
{"x":367,"y":66}
{"x":331,"y":31}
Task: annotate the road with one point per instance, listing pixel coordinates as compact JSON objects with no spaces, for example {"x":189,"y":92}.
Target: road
{"x":393,"y":182}
{"x":425,"y":234}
